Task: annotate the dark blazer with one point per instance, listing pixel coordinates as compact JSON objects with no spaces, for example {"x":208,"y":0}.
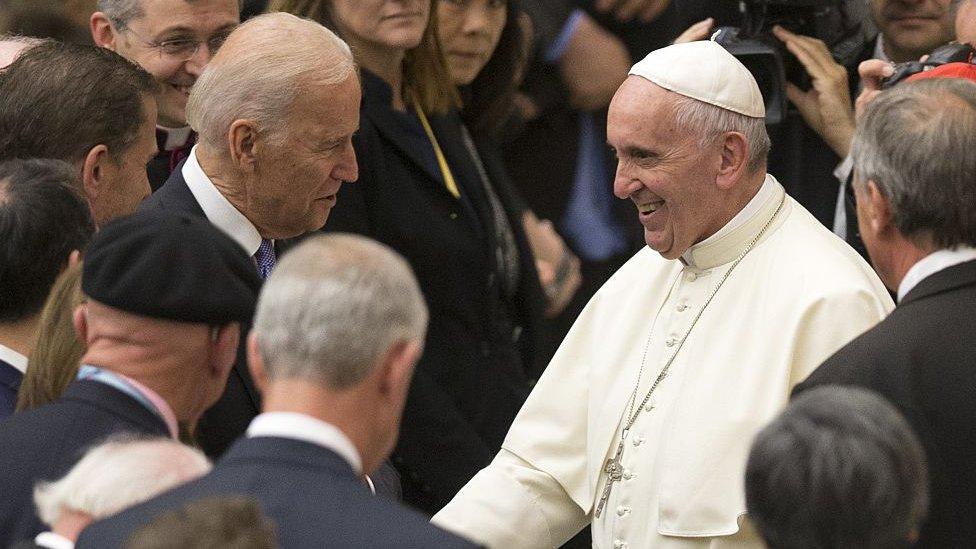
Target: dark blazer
{"x":921,"y":358}
{"x":10,"y":378}
{"x":44,"y":443}
{"x":470,"y":382}
{"x":229,"y":417}
{"x":312,"y":495}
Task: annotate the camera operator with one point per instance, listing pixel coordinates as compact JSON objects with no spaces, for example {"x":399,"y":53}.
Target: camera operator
{"x":908,"y":30}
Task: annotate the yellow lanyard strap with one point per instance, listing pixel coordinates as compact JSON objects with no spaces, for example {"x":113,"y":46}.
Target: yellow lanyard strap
{"x":441,"y":161}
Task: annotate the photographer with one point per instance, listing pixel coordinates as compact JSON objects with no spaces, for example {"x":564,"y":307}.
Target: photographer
{"x":908,"y":30}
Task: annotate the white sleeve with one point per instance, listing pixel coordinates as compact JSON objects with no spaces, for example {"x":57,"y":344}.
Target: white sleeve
{"x":511,"y":505}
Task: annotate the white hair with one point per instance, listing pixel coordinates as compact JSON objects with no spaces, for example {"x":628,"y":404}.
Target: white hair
{"x":118,"y":474}
{"x":259,"y":71}
{"x":709,"y":121}
{"x":333,"y":306}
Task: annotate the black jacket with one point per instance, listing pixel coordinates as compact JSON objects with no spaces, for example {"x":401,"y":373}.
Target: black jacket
{"x":921,"y":359}
{"x":44,"y":443}
{"x":470,"y":381}
{"x":229,"y":417}
{"x":311,"y":494}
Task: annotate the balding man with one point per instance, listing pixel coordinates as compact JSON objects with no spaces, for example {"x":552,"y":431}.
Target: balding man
{"x":166,"y":298}
{"x":270,"y":159}
{"x":173,"y":40}
{"x":86,"y":106}
{"x":641,"y":423}
{"x":12,"y":46}
{"x":339,"y":328}
{"x":913,"y":168}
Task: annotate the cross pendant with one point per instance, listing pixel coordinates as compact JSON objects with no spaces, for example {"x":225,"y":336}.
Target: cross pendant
{"x":614,"y":472}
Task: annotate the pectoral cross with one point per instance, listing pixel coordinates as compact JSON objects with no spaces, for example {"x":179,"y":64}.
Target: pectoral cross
{"x":614,"y":471}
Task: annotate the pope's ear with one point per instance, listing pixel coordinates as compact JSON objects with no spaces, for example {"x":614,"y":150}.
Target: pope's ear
{"x":734,"y":159}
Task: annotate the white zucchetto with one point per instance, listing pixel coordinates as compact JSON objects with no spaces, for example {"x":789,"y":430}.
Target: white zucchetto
{"x":704,"y":71}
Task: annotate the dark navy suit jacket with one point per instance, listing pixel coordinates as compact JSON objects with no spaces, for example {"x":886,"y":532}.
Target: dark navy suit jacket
{"x":921,"y":359}
{"x":312,"y":495}
{"x":9,"y":384}
{"x":229,"y":417}
{"x":44,"y":443}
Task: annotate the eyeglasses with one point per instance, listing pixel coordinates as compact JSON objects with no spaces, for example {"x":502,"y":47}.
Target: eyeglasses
{"x":182,"y":49}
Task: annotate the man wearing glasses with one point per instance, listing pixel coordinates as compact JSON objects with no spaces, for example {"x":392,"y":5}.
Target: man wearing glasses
{"x":173,"y":40}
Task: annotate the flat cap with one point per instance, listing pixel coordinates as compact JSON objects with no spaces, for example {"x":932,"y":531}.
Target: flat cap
{"x":172,"y":267}
{"x":705,"y":71}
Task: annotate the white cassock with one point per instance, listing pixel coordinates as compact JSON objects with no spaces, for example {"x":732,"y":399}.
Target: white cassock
{"x":795,"y":299}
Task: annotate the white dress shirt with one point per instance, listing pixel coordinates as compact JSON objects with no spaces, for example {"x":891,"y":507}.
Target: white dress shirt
{"x":217,"y":208}
{"x":50,"y":540}
{"x":933,"y":263}
{"x":307,"y":429}
{"x":13,"y":358}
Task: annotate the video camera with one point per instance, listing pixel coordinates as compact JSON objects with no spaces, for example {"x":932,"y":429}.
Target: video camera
{"x":838,"y":23}
{"x":950,"y":53}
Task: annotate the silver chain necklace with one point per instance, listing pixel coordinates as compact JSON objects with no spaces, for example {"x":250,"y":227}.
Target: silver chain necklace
{"x":613,"y":468}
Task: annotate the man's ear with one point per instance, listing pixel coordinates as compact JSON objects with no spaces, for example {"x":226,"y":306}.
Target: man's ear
{"x":734,"y":159}
{"x":397,"y":368}
{"x":80,"y":320}
{"x":102,"y":31}
{"x":877,"y":209}
{"x":223,"y":351}
{"x":255,"y":363}
{"x":93,"y":168}
{"x":244,"y":143}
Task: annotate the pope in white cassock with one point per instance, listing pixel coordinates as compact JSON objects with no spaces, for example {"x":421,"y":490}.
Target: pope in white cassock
{"x":641,"y":425}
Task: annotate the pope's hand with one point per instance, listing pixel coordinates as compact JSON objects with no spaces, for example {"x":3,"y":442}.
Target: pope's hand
{"x":696,"y":32}
{"x":625,"y":10}
{"x":826,"y":107}
{"x":873,"y":72}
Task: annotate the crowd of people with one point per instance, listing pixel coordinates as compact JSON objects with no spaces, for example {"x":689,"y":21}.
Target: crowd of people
{"x":498,"y":273}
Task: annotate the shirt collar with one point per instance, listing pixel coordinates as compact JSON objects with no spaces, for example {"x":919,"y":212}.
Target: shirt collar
{"x":13,"y":358}
{"x":143,"y":395}
{"x":217,"y":208}
{"x":307,"y":429}
{"x":50,"y":540}
{"x":726,"y":244}
{"x":173,"y":138}
{"x":933,"y":263}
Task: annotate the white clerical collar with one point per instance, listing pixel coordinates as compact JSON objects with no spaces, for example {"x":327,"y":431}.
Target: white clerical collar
{"x":217,"y":208}
{"x":13,"y":358}
{"x":768,"y":196}
{"x":933,"y":263}
{"x":175,"y":137}
{"x":308,"y":429}
{"x":50,"y":540}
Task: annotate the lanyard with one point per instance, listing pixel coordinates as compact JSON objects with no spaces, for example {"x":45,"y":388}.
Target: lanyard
{"x":441,"y":161}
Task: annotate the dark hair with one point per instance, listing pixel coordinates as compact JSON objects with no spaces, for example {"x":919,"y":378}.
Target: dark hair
{"x":43,"y":217}
{"x":838,"y":468}
{"x":229,"y":522}
{"x":488,"y":100}
{"x":62,"y":100}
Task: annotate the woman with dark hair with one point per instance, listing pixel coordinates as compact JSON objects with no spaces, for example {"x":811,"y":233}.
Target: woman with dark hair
{"x":421,"y":193}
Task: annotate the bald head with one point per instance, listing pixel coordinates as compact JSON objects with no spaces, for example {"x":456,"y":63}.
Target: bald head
{"x":258,"y":71}
{"x":12,"y":46}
